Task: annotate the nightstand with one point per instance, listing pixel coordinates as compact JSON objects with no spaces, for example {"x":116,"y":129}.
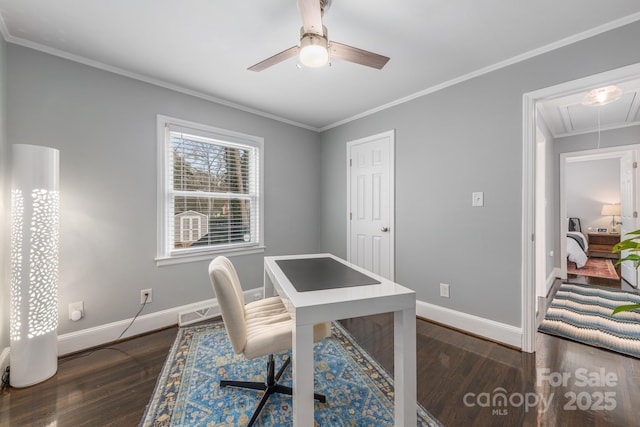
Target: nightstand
{"x":601,"y":245}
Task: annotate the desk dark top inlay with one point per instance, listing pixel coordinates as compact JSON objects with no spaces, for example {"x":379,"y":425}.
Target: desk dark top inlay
{"x":315,"y":274}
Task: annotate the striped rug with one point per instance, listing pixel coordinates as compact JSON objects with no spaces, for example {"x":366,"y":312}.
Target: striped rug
{"x":583,"y":313}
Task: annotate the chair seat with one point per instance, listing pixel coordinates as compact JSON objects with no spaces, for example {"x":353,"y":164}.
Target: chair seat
{"x":269,"y":327}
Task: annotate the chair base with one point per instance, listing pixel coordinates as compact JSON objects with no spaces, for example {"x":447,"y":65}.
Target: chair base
{"x":269,"y":387}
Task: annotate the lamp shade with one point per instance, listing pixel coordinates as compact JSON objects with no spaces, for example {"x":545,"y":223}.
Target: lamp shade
{"x":33,"y":318}
{"x":610,"y":210}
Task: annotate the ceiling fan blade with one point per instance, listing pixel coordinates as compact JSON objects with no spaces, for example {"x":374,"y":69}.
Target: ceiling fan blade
{"x":275,"y":59}
{"x":359,"y":56}
{"x":311,"y":16}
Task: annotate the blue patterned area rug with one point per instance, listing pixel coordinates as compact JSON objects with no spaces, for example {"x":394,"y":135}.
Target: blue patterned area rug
{"x":582,"y":313}
{"x":359,"y":391}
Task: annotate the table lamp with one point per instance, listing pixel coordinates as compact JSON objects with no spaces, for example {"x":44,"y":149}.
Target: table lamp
{"x":612,"y":210}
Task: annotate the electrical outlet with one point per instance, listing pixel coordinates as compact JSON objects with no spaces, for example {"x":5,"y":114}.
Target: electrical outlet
{"x":477,"y":198}
{"x":444,"y":290}
{"x":76,"y":306}
{"x":146,"y":294}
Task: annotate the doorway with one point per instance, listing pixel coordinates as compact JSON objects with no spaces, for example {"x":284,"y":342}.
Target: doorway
{"x":371,"y":203}
{"x":589,"y":180}
{"x":528,"y":237}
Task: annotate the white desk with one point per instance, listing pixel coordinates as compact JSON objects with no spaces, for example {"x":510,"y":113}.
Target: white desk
{"x":308,"y":308}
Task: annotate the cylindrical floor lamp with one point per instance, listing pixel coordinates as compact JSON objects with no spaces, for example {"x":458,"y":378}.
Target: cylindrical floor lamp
{"x":34,"y":264}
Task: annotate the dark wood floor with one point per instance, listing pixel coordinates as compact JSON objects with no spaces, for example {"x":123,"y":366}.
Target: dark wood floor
{"x":455,"y":373}
{"x":108,"y":387}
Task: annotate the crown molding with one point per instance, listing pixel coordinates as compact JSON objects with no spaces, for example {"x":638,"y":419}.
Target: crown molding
{"x":156,"y":82}
{"x":502,"y":64}
{"x":143,"y":78}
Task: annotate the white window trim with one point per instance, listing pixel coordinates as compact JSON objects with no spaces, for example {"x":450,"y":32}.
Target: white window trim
{"x":164,"y":256}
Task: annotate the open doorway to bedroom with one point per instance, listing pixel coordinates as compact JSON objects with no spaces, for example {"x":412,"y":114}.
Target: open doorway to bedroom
{"x":586,"y":191}
{"x":599,"y":199}
{"x":545,"y":224}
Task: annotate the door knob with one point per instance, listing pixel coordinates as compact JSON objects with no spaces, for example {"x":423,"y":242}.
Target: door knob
{"x":384,"y":229}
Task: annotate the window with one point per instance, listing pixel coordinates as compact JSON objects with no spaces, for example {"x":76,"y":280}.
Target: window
{"x":209,"y":184}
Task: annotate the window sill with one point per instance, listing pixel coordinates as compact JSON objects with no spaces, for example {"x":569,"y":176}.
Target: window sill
{"x":206,"y":256}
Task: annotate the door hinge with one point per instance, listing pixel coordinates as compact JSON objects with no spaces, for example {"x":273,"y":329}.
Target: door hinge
{"x":635,"y":165}
{"x":533,"y":237}
{"x":350,"y":216}
{"x":635,"y":214}
{"x":350,"y":162}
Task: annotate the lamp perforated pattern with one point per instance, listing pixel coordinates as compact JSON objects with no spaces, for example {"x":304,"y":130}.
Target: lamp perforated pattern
{"x":17,"y":212}
{"x":43,"y":263}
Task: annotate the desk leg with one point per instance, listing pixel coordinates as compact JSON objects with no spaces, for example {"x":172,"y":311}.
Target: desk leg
{"x":302,"y":375}
{"x":404,"y":330}
{"x":268,"y":288}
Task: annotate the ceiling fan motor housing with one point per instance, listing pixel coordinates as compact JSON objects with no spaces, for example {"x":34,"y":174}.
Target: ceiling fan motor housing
{"x":314,"y":50}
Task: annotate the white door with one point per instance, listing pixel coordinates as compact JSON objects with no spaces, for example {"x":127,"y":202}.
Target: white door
{"x":371,"y":228}
{"x":628,"y":211}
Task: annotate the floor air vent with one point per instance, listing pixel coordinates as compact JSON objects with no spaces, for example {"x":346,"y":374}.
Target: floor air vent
{"x":210,"y":308}
{"x":194,"y":316}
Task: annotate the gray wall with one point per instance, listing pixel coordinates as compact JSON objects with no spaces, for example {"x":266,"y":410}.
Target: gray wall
{"x":461,"y":139}
{"x":4,"y":204}
{"x":105,"y":128}
{"x":611,"y":138}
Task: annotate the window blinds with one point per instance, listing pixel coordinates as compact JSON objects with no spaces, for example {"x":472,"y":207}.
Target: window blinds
{"x":212,"y":190}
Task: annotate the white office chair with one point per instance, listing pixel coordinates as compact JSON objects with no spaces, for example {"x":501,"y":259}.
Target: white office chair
{"x":256,"y":329}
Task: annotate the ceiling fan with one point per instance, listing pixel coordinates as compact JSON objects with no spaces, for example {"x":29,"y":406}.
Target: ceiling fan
{"x":315,"y":50}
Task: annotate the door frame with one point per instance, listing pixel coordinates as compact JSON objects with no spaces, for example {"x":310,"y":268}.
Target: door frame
{"x":529,"y":101}
{"x":391,"y":134}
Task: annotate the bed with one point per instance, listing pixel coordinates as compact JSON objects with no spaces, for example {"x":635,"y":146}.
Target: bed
{"x":577,"y":244}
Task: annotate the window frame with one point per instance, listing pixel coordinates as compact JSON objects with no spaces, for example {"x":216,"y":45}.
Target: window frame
{"x":165,"y":254}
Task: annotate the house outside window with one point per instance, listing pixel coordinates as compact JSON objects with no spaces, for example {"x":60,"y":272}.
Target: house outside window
{"x":209,"y":192}
{"x":190,"y":227}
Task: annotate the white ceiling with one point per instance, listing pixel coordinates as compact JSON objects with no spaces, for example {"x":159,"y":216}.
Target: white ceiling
{"x":568,"y":116}
{"x":204,"y":47}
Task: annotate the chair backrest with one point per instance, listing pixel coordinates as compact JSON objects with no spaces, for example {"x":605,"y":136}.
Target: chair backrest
{"x":226,"y":286}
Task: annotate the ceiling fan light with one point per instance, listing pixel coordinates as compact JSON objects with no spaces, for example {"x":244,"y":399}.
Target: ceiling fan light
{"x":313,"y":51}
{"x":602,"y":96}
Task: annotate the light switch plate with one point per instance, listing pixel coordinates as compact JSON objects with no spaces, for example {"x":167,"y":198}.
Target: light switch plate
{"x":477,"y":198}
{"x":444,"y":290}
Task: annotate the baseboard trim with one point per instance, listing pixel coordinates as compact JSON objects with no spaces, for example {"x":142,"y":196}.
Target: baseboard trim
{"x":99,"y":335}
{"x":91,"y":337}
{"x":486,"y":328}
{"x":555,"y":273}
